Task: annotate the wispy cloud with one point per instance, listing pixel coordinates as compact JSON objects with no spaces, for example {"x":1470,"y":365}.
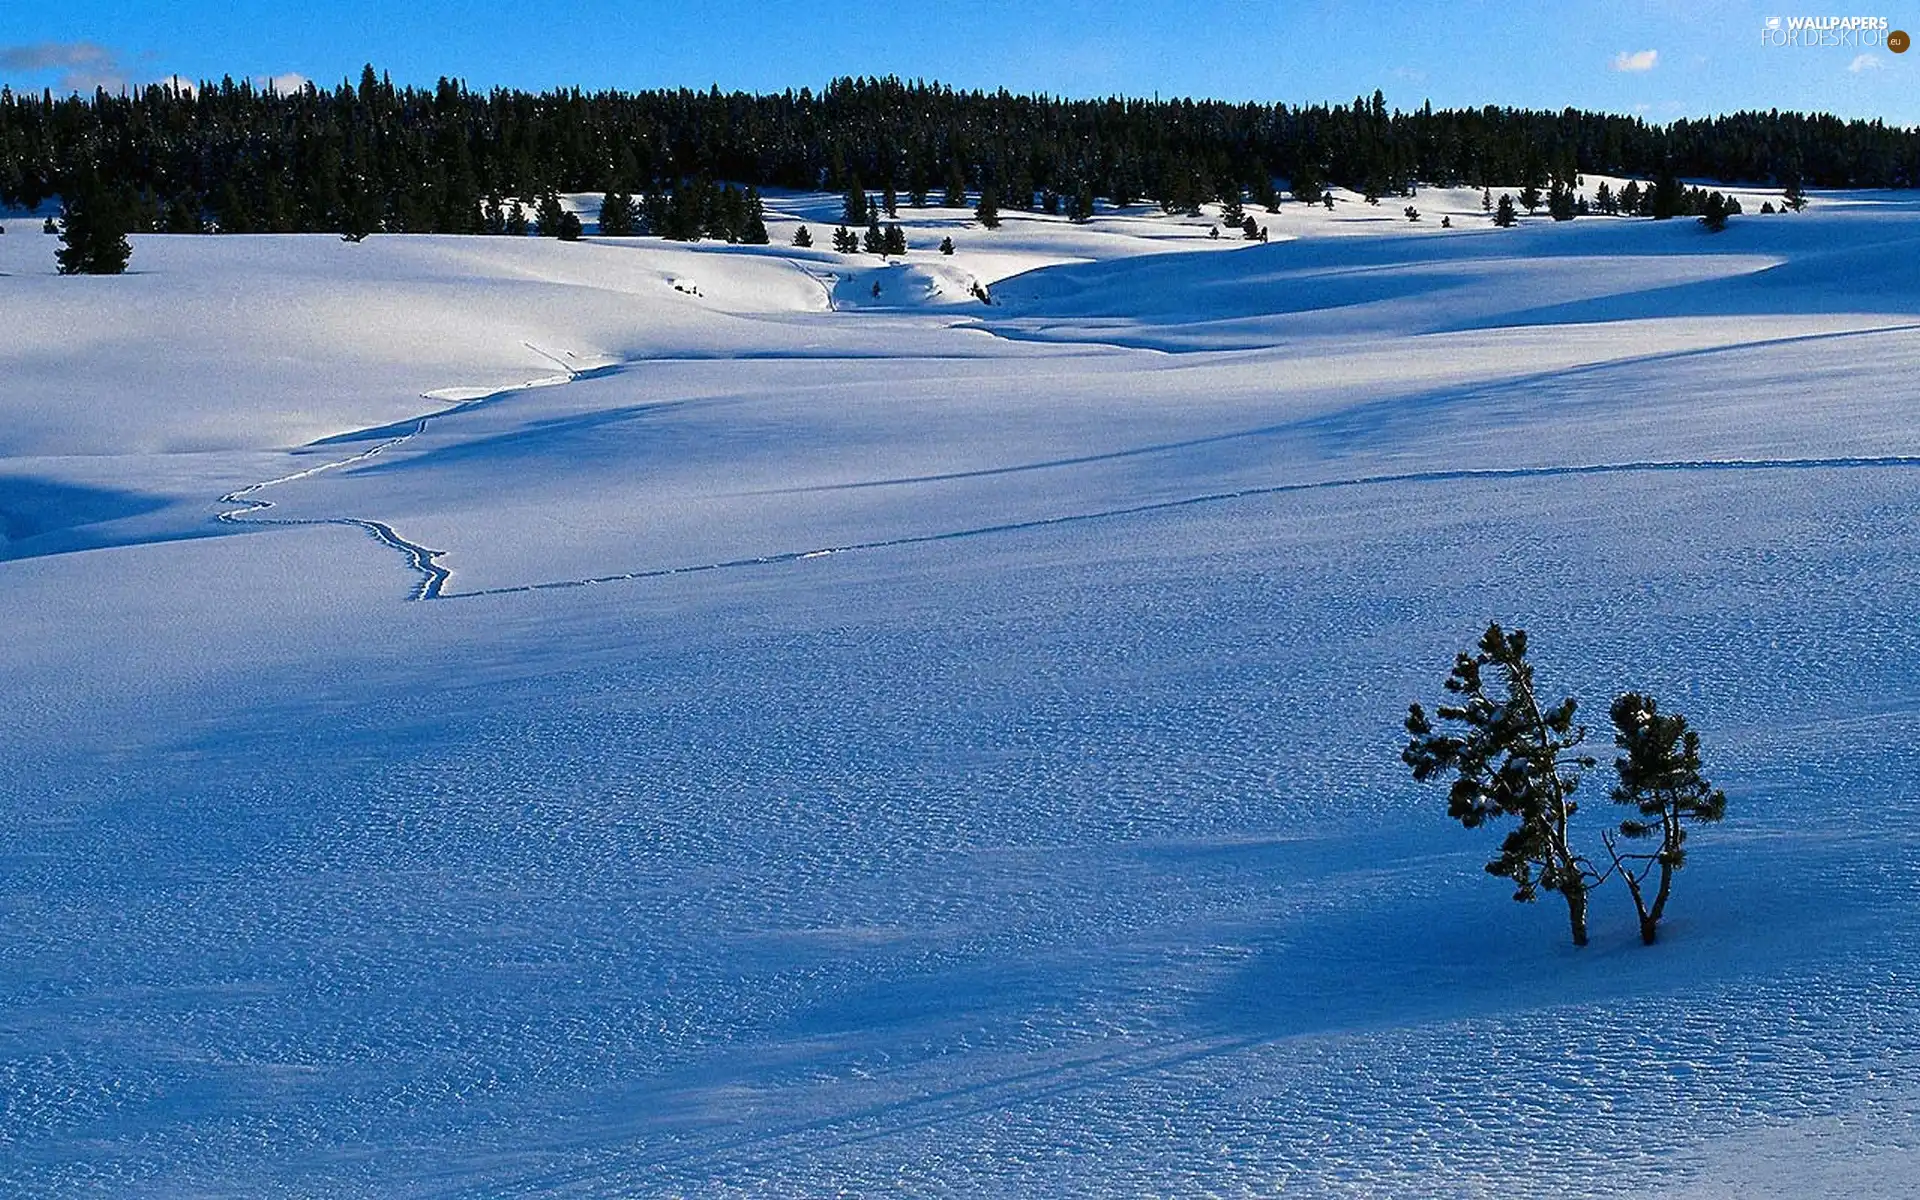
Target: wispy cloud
{"x":286,"y":84}
{"x":83,"y":66}
{"x":1866,"y":62}
{"x":1637,"y":60}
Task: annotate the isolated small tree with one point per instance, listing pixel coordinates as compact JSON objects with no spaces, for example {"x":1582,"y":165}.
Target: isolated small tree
{"x":753,"y":230}
{"x":893,"y":241}
{"x":1250,"y":229}
{"x":1503,"y":215}
{"x":1630,"y":199}
{"x":1446,"y":222}
{"x":1659,"y":773}
{"x":1486,"y":200}
{"x":1766,"y":208}
{"x":1327,"y":199}
{"x":803,"y":237}
{"x":873,"y":242}
{"x":846,"y":241}
{"x":1530,"y":198}
{"x":1514,"y":758}
{"x":93,"y":233}
{"x":1412,"y":213}
{"x":1713,"y":214}
{"x":987,"y":212}
{"x":946,"y":245}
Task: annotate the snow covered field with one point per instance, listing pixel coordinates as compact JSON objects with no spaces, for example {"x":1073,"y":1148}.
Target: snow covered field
{"x":502,"y":718}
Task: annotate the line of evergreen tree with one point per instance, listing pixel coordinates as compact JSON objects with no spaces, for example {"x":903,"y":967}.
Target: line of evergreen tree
{"x":374,"y":157}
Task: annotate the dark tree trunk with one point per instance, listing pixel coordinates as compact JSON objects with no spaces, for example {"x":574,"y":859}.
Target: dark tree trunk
{"x":1577,"y":913}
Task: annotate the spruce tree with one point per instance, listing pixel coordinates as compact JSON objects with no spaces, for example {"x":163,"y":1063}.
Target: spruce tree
{"x":1513,"y":757}
{"x":803,"y":237}
{"x":617,"y":215}
{"x":549,"y":214}
{"x":516,"y":223}
{"x":1530,"y":198}
{"x":93,"y":233}
{"x":1714,"y":213}
{"x":893,"y":241}
{"x":1659,"y":774}
{"x":1560,"y":204}
{"x":1669,"y":197}
{"x":946,"y":245}
{"x":853,"y":209}
{"x":873,"y":241}
{"x":1503,"y":215}
{"x":845,"y":241}
{"x":753,"y":231}
{"x":1630,"y":199}
{"x":987,"y":212}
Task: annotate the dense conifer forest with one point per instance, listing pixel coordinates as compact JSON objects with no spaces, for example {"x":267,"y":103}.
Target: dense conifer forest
{"x":231,"y":157}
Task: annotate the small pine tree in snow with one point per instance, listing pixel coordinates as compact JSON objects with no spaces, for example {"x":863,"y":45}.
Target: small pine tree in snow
{"x":1486,"y":200}
{"x":1412,"y":213}
{"x":846,"y":241}
{"x":93,"y":233}
{"x":803,"y":237}
{"x":1530,"y":198}
{"x":1630,"y":199}
{"x":547,"y":214}
{"x":893,"y":241}
{"x":1560,"y":204}
{"x":1514,"y":757}
{"x":1328,"y":199}
{"x":1503,"y":214}
{"x":873,"y":242}
{"x":946,"y":245}
{"x":1659,"y":773}
{"x":987,"y":212}
{"x":1714,"y":213}
{"x":516,"y":225}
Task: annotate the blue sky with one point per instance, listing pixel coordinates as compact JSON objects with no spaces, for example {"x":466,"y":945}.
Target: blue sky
{"x":1653,"y":57}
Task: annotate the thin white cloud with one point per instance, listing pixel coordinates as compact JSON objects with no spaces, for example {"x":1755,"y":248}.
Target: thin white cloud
{"x":286,"y":83}
{"x":83,"y":66}
{"x":1637,"y":60}
{"x":179,"y":83}
{"x":1866,"y":62}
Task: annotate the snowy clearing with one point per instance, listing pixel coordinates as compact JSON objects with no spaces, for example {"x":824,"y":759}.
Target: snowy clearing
{"x":495,"y":717}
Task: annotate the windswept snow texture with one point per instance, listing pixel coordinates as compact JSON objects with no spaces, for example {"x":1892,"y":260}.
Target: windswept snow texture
{"x":817,"y":743}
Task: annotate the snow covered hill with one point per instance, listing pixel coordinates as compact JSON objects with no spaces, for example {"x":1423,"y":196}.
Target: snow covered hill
{"x":498,"y":717}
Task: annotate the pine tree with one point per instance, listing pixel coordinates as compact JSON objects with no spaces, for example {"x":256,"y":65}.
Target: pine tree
{"x":1411,"y":213}
{"x":1503,"y":215}
{"x":893,"y":241}
{"x":891,"y":200}
{"x":873,"y":241}
{"x":516,"y":224}
{"x":1080,"y":208}
{"x":956,"y":192}
{"x":1714,"y":213}
{"x":1560,"y":205}
{"x":1659,"y":774}
{"x":1233,"y":212}
{"x":1668,"y":197}
{"x":846,"y":241}
{"x":1513,"y":758}
{"x":987,"y":212}
{"x":1603,"y":199}
{"x":803,"y":237}
{"x":617,"y":215}
{"x":1630,"y":199}
{"x":946,"y":245}
{"x":753,"y":232}
{"x":853,"y":209}
{"x":1793,"y":196}
{"x":1305,"y":184}
{"x":1530,"y":198}
{"x":93,"y":232}
{"x":1486,"y":200}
